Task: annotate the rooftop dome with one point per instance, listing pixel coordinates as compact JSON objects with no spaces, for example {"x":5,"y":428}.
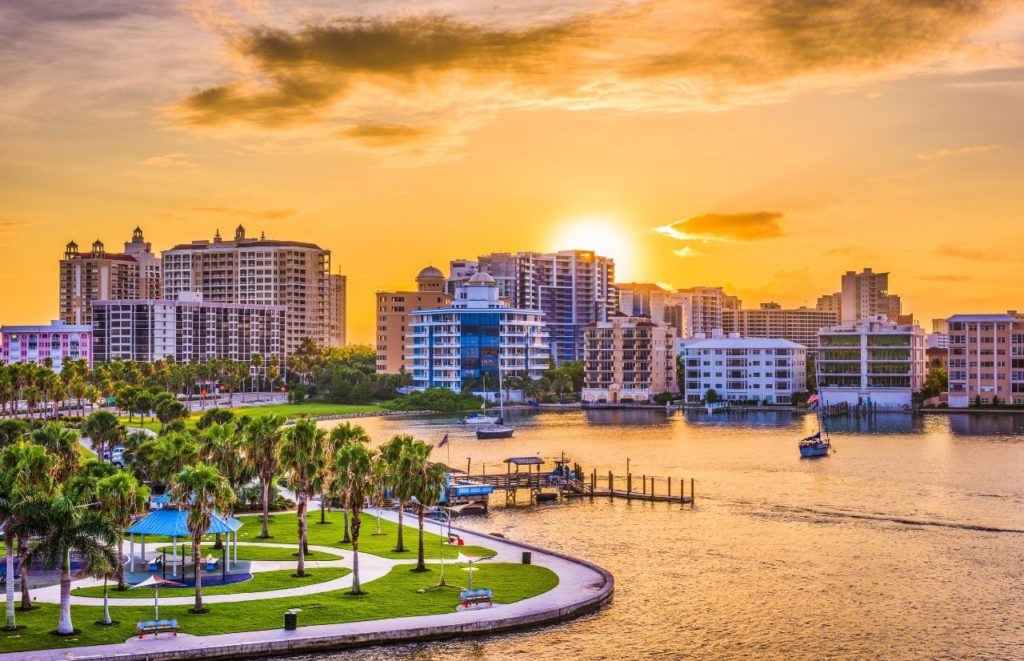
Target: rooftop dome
{"x":481,"y":278}
{"x":430,"y":272}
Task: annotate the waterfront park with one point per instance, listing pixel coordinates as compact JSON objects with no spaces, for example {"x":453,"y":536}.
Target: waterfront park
{"x":236,"y":524}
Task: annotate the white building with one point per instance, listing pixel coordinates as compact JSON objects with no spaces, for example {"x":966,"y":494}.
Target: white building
{"x":873,"y":361}
{"x":475,"y":338}
{"x":748,"y":369}
{"x":58,"y":342}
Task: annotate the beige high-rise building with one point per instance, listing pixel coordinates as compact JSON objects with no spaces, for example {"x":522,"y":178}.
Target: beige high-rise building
{"x":97,"y":275}
{"x":394,"y":318}
{"x":831,"y":303}
{"x":866,"y":295}
{"x":337,"y":336}
{"x":799,"y":325}
{"x":258,"y":272}
{"x":628,"y":359}
{"x":698,"y":310}
{"x":150,"y":272}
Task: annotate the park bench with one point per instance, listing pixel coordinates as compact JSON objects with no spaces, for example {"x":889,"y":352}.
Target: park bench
{"x":472,"y":598}
{"x":157,"y":626}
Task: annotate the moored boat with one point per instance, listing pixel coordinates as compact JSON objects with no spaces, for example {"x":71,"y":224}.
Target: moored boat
{"x":815,"y":446}
{"x":494,"y":431}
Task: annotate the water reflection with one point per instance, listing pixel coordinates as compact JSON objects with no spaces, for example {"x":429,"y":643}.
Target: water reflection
{"x":990,"y":424}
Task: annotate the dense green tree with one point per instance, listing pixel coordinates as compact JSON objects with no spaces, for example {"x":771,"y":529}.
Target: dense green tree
{"x":201,"y":490}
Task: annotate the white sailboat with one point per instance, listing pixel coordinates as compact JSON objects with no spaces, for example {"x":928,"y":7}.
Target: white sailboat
{"x":477,"y":419}
{"x":499,"y":429}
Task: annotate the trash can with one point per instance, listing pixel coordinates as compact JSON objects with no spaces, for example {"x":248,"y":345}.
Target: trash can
{"x":291,"y":621}
{"x":527,"y":557}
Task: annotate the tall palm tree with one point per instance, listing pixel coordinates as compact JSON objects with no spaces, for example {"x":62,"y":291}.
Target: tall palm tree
{"x":354,"y":467}
{"x":223,"y":447}
{"x":31,"y":478}
{"x":303,"y":458}
{"x":262,"y":442}
{"x":399,"y":479}
{"x":201,"y":490}
{"x":103,"y":428}
{"x":427,"y":484}
{"x":20,"y":465}
{"x":173,"y":452}
{"x":66,"y":526}
{"x":121,"y":497}
{"x":341,"y":436}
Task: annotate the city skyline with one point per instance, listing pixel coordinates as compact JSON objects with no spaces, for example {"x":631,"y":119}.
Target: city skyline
{"x":857,"y":156}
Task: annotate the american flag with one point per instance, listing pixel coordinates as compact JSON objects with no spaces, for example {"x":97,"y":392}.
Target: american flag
{"x":444,"y":441}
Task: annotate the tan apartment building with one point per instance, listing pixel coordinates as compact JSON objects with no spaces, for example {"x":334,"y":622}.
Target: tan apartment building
{"x":628,"y":359}
{"x":771,"y":321}
{"x":96,"y":275}
{"x":337,"y":336}
{"x":394,"y":317}
{"x":986,"y":359}
{"x":261,"y":271}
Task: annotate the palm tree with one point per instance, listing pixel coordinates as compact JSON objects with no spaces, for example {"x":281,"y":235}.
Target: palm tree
{"x":303,"y":458}
{"x":354,"y":467}
{"x":121,"y":497}
{"x":427,"y":485}
{"x":398,"y":481}
{"x":67,"y":526}
{"x":173,"y":452}
{"x":222,"y":447}
{"x":62,"y":444}
{"x":103,"y":428}
{"x":262,"y":441}
{"x":341,"y":436}
{"x":201,"y":490}
{"x":31,"y":478}
{"x":19,"y":468}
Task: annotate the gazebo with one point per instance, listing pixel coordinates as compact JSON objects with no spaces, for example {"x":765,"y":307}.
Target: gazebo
{"x":173,"y":523}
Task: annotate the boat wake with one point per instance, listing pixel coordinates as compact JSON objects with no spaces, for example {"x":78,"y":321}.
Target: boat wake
{"x":901,"y":520}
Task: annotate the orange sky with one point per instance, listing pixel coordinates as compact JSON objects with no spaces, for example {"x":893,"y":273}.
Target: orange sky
{"x":765,"y":146}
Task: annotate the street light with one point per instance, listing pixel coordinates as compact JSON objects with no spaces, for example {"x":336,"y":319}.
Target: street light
{"x":447,"y":517}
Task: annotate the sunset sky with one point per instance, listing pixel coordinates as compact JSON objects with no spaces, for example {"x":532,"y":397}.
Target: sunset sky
{"x":766,"y":146}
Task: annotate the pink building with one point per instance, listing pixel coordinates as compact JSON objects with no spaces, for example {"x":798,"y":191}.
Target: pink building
{"x":34,"y":344}
{"x":986,"y":359}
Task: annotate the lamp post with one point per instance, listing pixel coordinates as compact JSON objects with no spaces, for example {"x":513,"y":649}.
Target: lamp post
{"x":441,"y":583}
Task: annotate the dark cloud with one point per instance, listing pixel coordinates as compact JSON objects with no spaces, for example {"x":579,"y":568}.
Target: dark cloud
{"x":386,"y":135}
{"x":265,"y":214}
{"x":696,"y":54}
{"x":747,"y":226}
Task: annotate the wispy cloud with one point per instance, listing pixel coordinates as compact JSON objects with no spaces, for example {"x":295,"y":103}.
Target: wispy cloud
{"x":175,"y":160}
{"x":970,"y":254}
{"x":386,"y":135}
{"x":686,"y":251}
{"x":943,"y":277}
{"x":944,"y":153}
{"x":746,"y":226}
{"x":255,"y":214}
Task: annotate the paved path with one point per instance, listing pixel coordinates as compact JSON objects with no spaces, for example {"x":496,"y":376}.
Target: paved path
{"x":582,"y":588}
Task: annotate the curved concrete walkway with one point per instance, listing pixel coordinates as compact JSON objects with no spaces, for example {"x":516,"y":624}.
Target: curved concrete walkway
{"x":582,"y":588}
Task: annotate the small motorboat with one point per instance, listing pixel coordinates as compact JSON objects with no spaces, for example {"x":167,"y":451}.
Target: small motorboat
{"x":494,"y":431}
{"x":481,"y":419}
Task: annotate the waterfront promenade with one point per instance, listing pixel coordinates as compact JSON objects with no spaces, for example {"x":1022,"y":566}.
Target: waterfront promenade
{"x":582,"y":588}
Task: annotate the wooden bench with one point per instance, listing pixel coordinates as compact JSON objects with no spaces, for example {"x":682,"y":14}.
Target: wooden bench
{"x":157,"y":626}
{"x":472,"y":598}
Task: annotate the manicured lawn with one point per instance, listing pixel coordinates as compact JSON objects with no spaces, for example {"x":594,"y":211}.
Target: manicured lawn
{"x":253,"y":552}
{"x":284,"y":529}
{"x":307,"y":408}
{"x":394,"y":595}
{"x":260,"y":582}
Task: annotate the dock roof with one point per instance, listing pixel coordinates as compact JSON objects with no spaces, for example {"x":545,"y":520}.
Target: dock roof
{"x":524,"y":461}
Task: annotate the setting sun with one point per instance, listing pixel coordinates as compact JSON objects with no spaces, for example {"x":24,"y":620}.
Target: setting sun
{"x":605,"y":236}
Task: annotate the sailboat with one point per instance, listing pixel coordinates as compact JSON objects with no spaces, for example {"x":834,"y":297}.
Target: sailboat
{"x":499,"y":429}
{"x":482,"y":418}
{"x":817,"y":444}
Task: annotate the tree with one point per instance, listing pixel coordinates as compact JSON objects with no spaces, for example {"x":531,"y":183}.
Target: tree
{"x":303,"y":458}
{"x":936,"y":383}
{"x":169,"y":410}
{"x":33,"y":473}
{"x":398,"y":480}
{"x":711,"y":396}
{"x":121,"y":497}
{"x":214,"y":416}
{"x":62,"y":444}
{"x":354,"y":466}
{"x":341,"y":436}
{"x":201,"y":490}
{"x":103,"y":428}
{"x":67,"y":526}
{"x":172,"y":453}
{"x":12,"y":431}
{"x":427,"y":483}
{"x":262,"y":442}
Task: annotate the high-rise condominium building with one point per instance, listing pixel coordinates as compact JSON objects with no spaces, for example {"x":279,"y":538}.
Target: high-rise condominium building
{"x":459,"y":271}
{"x":394,"y":310}
{"x":336,"y":336}
{"x":99,"y":275}
{"x":59,"y":342}
{"x":770,"y":320}
{"x":259,"y":271}
{"x":642,"y":299}
{"x":831,"y":303}
{"x":986,"y":359}
{"x":479,"y":337}
{"x":698,"y":310}
{"x":743,"y":369}
{"x":628,"y":358}
{"x":187,"y":329}
{"x":866,"y":295}
{"x":872,"y":362}
{"x":572,"y":287}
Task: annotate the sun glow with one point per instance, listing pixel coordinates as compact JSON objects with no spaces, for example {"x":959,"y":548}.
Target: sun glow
{"x":604,"y":236}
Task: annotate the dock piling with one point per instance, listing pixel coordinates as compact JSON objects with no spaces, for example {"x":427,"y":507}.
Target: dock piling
{"x":693,"y":496}
{"x":629,"y":486}
{"x":611,"y":486}
{"x":644,"y":484}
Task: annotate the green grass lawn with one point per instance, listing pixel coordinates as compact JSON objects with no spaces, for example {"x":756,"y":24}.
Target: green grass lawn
{"x":253,"y":552}
{"x":260,"y":582}
{"x":393,"y":595}
{"x":284,"y":529}
{"x":287,"y":410}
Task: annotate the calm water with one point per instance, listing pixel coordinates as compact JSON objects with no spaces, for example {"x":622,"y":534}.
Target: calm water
{"x":906,"y":543}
